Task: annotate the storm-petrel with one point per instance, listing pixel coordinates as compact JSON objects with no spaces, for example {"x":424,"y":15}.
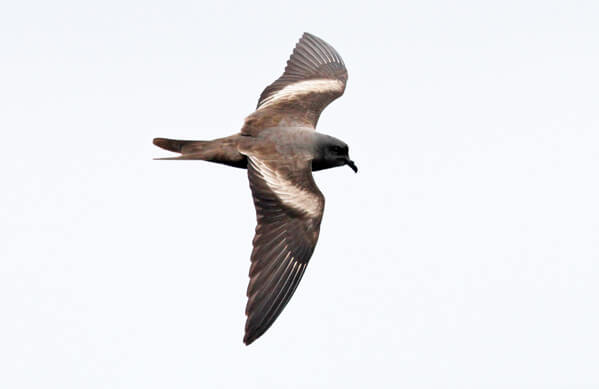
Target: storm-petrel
{"x":279,"y":147}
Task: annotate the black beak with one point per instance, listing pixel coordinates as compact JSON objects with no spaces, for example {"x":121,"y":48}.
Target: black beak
{"x":352,"y":165}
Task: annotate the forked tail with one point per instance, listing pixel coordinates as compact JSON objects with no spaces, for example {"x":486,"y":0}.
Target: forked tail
{"x":223,"y":150}
{"x":180,"y":146}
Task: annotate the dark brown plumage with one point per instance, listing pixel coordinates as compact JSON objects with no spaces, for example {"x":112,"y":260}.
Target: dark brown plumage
{"x":279,"y":147}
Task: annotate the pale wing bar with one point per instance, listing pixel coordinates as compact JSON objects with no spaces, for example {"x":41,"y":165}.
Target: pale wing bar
{"x":315,"y":76}
{"x":290,"y":194}
{"x":304,"y":88}
{"x":312,"y":59}
{"x":285,"y":238}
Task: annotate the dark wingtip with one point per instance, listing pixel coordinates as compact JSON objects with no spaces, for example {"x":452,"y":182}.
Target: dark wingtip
{"x":252,"y":333}
{"x":247,"y":339}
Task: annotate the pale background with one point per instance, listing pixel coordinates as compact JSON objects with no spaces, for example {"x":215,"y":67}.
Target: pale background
{"x":464,"y":254}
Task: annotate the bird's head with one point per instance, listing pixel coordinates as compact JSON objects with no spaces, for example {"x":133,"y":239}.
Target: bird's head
{"x":333,"y":152}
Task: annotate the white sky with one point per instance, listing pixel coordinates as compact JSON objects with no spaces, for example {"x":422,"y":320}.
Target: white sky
{"x":464,"y":254}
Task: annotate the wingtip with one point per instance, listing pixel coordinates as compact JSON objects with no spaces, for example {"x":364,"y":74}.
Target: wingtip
{"x":311,"y":37}
{"x":247,"y":339}
{"x":308,"y":36}
{"x":252,"y":333}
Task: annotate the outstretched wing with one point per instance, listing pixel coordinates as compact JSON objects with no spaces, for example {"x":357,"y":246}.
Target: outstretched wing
{"x":315,"y":76}
{"x":289,"y":209}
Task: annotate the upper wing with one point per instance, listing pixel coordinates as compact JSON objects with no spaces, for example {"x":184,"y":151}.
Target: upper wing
{"x":289,"y":209}
{"x":315,"y":76}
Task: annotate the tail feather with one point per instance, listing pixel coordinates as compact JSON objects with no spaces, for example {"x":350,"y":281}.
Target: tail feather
{"x":197,"y":156}
{"x":223,"y":150}
{"x":180,"y":146}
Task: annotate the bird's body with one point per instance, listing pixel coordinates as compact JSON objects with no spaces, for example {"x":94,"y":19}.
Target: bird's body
{"x":280,"y":149}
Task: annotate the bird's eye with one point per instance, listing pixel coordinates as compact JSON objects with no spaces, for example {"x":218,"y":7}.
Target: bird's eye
{"x":336,"y":149}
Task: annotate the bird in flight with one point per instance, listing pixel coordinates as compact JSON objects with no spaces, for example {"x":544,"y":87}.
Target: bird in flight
{"x":279,"y":147}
